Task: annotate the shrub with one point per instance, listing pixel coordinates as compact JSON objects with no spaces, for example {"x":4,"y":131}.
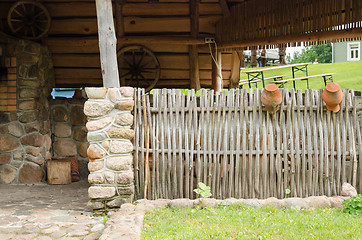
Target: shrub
{"x":353,"y":205}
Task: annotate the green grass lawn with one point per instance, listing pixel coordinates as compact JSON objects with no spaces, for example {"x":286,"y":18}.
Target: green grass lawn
{"x":239,"y":222}
{"x":348,"y":75}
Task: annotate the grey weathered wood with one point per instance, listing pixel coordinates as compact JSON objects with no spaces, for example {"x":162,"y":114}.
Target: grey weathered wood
{"x":210,"y":124}
{"x":245,"y":188}
{"x":163,"y":165}
{"x":354,"y":143}
{"x":142,"y":142}
{"x":307,"y":121}
{"x":136,"y":141}
{"x":251,"y":185}
{"x":344,"y":135}
{"x":233,"y":145}
{"x":301,"y":122}
{"x":182,"y":139}
{"x":231,"y":186}
{"x":192,"y":143}
{"x":107,"y":43}
{"x":238,"y":116}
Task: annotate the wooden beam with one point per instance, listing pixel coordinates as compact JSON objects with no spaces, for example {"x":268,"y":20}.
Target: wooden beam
{"x":307,"y":37}
{"x":216,"y":76}
{"x":235,"y":70}
{"x":119,"y":18}
{"x":107,"y":43}
{"x":193,"y":49}
{"x":224,"y":8}
{"x":163,"y":40}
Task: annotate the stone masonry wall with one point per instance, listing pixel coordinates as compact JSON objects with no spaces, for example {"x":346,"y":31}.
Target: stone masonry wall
{"x":110,"y":151}
{"x":25,"y":129}
{"x":69,"y":131}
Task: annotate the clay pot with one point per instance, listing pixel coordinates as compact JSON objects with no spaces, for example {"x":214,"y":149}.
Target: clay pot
{"x":271,"y":97}
{"x":332,"y":96}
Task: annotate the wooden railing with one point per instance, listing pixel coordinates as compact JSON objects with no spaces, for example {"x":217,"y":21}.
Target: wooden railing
{"x":232,"y":144}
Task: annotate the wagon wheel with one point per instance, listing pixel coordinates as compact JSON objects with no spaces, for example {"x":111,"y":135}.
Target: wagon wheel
{"x":29,"y":19}
{"x":138,"y":67}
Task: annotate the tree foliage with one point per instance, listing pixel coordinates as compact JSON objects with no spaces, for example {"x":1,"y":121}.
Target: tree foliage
{"x":321,"y":52}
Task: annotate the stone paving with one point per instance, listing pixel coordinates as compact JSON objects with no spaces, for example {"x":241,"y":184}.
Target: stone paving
{"x":45,"y":212}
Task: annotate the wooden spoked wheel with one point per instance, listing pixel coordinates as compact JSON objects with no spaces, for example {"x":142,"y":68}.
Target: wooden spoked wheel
{"x":29,"y":19}
{"x":138,"y":67}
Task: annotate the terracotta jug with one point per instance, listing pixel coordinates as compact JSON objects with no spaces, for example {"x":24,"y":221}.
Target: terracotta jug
{"x":271,"y":97}
{"x":332,"y":96}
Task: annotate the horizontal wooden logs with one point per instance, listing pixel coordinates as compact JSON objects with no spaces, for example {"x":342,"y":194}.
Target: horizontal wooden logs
{"x":88,"y":26}
{"x":95,"y":73}
{"x":166,"y":61}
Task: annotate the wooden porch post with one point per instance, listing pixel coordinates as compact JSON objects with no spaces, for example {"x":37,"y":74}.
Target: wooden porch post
{"x":235,"y":70}
{"x":193,"y":49}
{"x":217,"y":83}
{"x":107,"y":43}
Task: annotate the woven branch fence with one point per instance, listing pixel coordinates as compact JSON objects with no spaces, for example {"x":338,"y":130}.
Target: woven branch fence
{"x":232,"y":144}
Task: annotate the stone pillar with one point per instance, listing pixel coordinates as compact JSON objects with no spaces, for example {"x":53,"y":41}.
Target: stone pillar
{"x":110,"y":151}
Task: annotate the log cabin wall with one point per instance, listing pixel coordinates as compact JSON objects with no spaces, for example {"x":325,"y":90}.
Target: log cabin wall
{"x":73,"y":39}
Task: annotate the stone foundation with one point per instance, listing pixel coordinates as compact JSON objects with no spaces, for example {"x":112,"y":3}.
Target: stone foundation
{"x":24,"y":110}
{"x":110,"y":151}
{"x":69,"y":131}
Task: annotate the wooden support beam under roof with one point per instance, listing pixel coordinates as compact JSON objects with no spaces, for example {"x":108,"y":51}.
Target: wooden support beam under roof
{"x":193,"y":49}
{"x":107,"y":43}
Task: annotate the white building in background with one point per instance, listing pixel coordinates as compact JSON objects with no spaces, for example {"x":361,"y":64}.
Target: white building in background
{"x":346,"y":51}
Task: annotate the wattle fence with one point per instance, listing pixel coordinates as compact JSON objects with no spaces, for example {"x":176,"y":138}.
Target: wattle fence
{"x":232,"y":144}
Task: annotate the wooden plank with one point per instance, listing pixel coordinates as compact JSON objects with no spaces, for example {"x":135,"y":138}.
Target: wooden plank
{"x":187,"y":146}
{"x":309,"y":129}
{"x":119,"y":17}
{"x":141,"y":117}
{"x":297,"y":126}
{"x":167,"y":9}
{"x":253,"y":103}
{"x":301,"y":123}
{"x":216,"y":127}
{"x":170,"y":62}
{"x":228,"y":145}
{"x":172,"y":140}
{"x":210,"y":122}
{"x":107,"y":43}
{"x":238,"y":120}
{"x":338,"y":156}
{"x":177,"y":135}
{"x":193,"y":49}
{"x":163,"y":163}
{"x":291,"y":142}
{"x":244,"y":102}
{"x":166,"y":119}
{"x":193,"y":127}
{"x":146,"y":139}
{"x":344,"y":134}
{"x":202,"y":139}
{"x":182,"y":139}
{"x":154,"y":185}
{"x":317,"y":160}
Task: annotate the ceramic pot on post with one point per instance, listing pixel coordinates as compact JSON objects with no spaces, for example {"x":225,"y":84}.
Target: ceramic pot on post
{"x":332,"y":96}
{"x":271,"y":97}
